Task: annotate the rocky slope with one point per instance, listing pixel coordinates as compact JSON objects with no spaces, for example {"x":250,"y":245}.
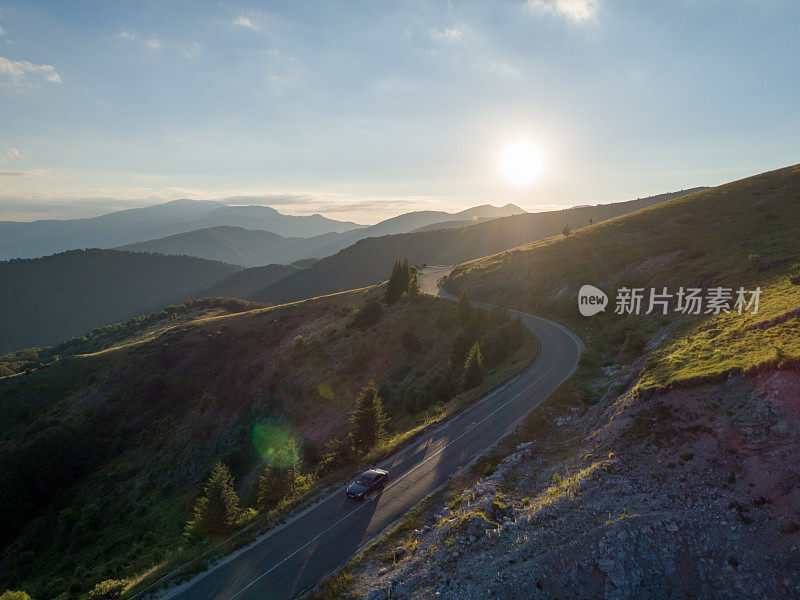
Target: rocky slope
{"x":691,"y":493}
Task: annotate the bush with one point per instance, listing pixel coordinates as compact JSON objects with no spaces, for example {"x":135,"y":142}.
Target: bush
{"x":17,"y":595}
{"x":110,"y":589}
{"x":369,"y":314}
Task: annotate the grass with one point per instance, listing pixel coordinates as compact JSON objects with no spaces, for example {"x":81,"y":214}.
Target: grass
{"x":729,"y":343}
{"x":742,"y":234}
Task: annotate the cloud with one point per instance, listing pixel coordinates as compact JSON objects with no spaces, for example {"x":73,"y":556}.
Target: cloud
{"x":573,"y":10}
{"x":2,"y":31}
{"x":17,"y":70}
{"x":192,"y":50}
{"x":449,"y":34}
{"x":152,"y":42}
{"x":18,"y":173}
{"x":254,"y":21}
{"x":13,"y":153}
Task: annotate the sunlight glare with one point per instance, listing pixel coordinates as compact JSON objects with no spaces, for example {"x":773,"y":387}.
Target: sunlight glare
{"x":521,"y":163}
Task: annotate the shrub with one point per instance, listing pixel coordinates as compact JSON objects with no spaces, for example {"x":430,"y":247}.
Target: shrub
{"x":110,"y":589}
{"x":369,"y":314}
{"x":15,"y":595}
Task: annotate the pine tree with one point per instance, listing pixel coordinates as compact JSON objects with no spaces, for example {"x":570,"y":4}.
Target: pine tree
{"x":368,"y":420}
{"x":278,"y":478}
{"x":473,"y":367}
{"x":403,"y":280}
{"x":217,"y":511}
{"x":394,"y":288}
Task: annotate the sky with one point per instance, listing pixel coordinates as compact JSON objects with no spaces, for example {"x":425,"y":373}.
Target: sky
{"x":363,"y":110}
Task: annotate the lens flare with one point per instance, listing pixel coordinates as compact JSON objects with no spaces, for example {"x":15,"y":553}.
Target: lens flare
{"x":276,"y":444}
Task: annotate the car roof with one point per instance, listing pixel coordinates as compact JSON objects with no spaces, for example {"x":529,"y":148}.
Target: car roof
{"x":376,"y":472}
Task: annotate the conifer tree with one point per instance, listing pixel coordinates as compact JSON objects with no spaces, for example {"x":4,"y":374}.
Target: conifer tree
{"x":279,"y":475}
{"x":473,"y":367}
{"x":217,"y":511}
{"x":368,"y":420}
{"x":403,"y":280}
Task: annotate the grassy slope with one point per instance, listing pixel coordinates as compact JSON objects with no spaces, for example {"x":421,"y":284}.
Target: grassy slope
{"x":47,"y":300}
{"x":104,"y":453}
{"x":739,"y":234}
{"x":367,"y":261}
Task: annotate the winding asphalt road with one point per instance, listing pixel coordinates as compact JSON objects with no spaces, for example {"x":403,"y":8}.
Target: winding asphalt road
{"x":292,"y":558}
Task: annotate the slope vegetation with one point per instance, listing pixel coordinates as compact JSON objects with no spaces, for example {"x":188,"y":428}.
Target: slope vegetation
{"x":48,"y":300}
{"x":103,"y":454}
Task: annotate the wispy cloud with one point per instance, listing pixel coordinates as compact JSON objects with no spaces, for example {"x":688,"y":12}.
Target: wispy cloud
{"x":16,"y":173}
{"x":151,"y":42}
{"x":16,"y":71}
{"x":573,"y":10}
{"x":192,"y":50}
{"x":450,"y":34}
{"x":13,"y":153}
{"x":254,"y":21}
{"x":2,"y":31}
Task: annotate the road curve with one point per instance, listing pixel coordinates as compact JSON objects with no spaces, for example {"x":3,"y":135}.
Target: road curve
{"x":292,"y":558}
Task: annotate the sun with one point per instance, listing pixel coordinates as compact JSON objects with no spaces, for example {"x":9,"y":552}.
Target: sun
{"x":521,"y":163}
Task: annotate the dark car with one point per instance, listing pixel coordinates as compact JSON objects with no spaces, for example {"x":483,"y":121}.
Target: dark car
{"x":367,"y":483}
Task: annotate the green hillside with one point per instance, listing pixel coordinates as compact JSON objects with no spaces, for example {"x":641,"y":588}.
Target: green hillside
{"x":47,"y":300}
{"x":367,"y":261}
{"x":248,"y":282}
{"x":742,"y":234}
{"x":103,"y":454}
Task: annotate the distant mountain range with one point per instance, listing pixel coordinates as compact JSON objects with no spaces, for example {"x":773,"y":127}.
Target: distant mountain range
{"x":240,"y":245}
{"x":47,"y":300}
{"x":40,"y":238}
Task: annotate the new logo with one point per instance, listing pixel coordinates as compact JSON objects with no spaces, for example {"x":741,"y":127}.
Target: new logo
{"x":591,"y":300}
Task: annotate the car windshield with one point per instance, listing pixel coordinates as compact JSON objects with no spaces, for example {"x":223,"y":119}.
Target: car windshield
{"x":365,"y":479}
